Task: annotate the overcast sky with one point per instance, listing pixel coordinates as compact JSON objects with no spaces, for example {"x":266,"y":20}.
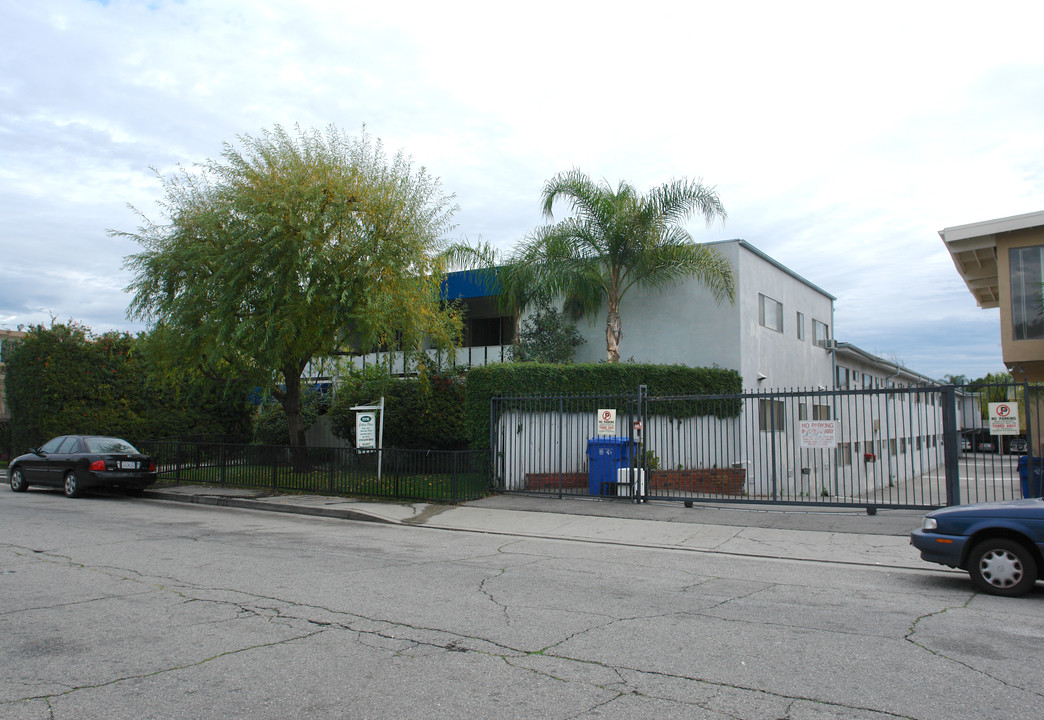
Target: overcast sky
{"x":841,"y":137}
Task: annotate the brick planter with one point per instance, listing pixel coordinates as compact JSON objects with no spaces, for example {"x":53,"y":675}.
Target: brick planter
{"x":550,"y":481}
{"x":701,"y":481}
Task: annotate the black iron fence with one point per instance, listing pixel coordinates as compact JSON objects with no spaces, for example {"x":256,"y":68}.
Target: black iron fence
{"x":918,"y":447}
{"x":5,"y":441}
{"x":427,"y":475}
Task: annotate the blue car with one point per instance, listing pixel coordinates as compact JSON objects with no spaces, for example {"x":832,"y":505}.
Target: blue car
{"x":1000,"y":544}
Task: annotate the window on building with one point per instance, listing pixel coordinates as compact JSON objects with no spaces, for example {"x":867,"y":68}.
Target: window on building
{"x":803,"y":411}
{"x":902,"y":446}
{"x":868,"y":381}
{"x":820,"y":333}
{"x":1027,"y":276}
{"x":489,"y":331}
{"x":820,"y":412}
{"x":842,"y":378}
{"x":772,"y":416}
{"x":801,"y":326}
{"x":770,"y":313}
{"x":844,"y":453}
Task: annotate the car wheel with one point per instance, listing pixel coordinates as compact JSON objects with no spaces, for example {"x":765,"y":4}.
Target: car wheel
{"x":1002,"y":567}
{"x":72,"y":485}
{"x":18,"y":483}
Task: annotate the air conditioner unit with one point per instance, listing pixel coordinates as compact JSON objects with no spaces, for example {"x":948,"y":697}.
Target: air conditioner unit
{"x":630,"y":482}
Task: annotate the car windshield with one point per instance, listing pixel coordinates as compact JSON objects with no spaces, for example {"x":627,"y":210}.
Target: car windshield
{"x":108,"y":445}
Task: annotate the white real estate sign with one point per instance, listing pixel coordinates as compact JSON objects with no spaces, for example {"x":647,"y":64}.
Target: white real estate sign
{"x":366,"y":429}
{"x":1004,"y":418}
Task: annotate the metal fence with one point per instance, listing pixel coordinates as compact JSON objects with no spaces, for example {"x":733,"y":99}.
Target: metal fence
{"x":428,"y":475}
{"x":896,"y":447}
{"x":5,"y":441}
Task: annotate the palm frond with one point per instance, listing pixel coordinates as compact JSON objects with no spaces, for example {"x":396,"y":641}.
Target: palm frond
{"x":615,"y":239}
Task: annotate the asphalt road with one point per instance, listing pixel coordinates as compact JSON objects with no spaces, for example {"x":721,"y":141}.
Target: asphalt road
{"x":114,"y":607}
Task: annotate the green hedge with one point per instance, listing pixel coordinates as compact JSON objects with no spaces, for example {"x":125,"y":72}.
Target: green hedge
{"x":525,"y":379}
{"x":419,"y":413}
{"x":63,"y":380}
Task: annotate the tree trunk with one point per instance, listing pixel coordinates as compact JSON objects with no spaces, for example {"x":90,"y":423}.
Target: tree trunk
{"x":295,"y":420}
{"x":613,"y":332}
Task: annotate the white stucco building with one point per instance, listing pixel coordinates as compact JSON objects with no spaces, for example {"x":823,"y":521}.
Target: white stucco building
{"x":776,"y":333}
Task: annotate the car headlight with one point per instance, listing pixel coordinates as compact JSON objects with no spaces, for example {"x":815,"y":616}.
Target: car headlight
{"x":930,"y":523}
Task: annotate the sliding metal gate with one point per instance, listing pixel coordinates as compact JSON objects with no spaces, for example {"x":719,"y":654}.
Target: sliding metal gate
{"x":897,"y":447}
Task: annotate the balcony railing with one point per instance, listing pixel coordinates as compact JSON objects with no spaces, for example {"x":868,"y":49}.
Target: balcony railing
{"x":465,"y":356}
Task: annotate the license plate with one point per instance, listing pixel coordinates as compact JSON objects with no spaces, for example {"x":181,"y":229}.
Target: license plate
{"x":128,"y":465}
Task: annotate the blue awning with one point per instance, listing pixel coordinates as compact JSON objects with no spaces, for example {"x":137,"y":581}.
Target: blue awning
{"x":470,"y":284}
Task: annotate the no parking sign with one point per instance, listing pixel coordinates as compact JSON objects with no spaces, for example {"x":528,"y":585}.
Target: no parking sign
{"x":1004,"y":418}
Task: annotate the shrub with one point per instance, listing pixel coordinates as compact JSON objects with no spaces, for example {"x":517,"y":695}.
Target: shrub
{"x":270,"y":426}
{"x":63,"y":379}
{"x":601,"y":379}
{"x":420,"y":413}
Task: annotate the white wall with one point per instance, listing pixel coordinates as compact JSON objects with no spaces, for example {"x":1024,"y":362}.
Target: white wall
{"x":684,"y":325}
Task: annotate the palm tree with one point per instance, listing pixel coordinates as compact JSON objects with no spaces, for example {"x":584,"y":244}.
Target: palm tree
{"x":615,"y":240}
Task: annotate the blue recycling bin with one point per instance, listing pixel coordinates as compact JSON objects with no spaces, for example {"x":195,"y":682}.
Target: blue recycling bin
{"x":606,"y":455}
{"x":1031,"y":487}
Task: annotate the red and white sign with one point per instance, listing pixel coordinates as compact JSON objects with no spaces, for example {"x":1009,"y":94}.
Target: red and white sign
{"x":1004,"y":418}
{"x":607,"y":421}
{"x":818,"y":433}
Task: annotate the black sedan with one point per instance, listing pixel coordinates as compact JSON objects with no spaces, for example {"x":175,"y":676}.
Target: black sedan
{"x":79,"y":462}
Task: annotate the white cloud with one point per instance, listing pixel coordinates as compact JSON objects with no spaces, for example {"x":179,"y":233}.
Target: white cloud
{"x":841,"y":137}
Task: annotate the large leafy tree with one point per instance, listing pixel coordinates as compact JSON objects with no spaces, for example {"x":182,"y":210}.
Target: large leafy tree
{"x":615,"y":240}
{"x":290,"y":249}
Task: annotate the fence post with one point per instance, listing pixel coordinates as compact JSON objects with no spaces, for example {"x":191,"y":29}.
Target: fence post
{"x":494,"y":407}
{"x":644,"y":474}
{"x":952,"y":445}
{"x":561,"y":442}
{"x":454,"y":480}
{"x":1031,"y":457}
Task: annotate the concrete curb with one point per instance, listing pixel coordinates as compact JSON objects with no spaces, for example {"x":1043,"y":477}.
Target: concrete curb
{"x":268,"y":506}
{"x":803,"y":545}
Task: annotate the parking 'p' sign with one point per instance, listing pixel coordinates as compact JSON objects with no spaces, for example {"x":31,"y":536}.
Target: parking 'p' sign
{"x":1004,"y":418}
{"x":607,"y":421}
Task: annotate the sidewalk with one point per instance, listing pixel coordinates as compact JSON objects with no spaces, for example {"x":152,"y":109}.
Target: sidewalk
{"x":837,"y":535}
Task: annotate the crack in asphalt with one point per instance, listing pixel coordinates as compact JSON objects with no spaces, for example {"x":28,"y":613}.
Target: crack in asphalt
{"x":909,"y":637}
{"x":289,"y":614}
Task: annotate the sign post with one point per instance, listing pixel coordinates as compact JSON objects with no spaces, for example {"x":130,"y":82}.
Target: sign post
{"x":369,"y":433}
